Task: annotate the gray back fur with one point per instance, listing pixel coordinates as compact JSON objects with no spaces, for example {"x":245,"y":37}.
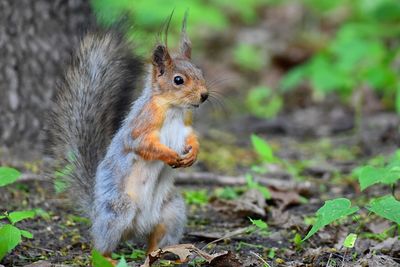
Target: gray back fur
{"x":93,"y":99}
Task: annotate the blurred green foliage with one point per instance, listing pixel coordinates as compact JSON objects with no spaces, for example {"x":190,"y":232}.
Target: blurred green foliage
{"x":263,"y":102}
{"x":249,"y":57}
{"x":362,"y":53}
{"x":148,"y":16}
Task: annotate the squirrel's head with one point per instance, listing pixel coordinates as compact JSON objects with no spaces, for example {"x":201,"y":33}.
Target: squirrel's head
{"x":175,"y":77}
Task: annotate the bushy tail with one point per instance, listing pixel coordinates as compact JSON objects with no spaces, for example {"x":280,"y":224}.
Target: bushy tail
{"x":94,"y":97}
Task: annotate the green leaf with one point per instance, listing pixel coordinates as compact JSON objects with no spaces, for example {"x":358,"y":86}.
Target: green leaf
{"x":227,"y":193}
{"x":331,"y":211}
{"x":249,"y":57}
{"x":8,"y":175}
{"x":26,"y":234}
{"x":42,"y":213}
{"x":264,"y":191}
{"x":262,"y":148}
{"x":122,"y":263}
{"x":293,"y":78}
{"x":397,"y":103}
{"x":17,"y":216}
{"x":254,"y":185}
{"x":350,"y":241}
{"x":369,"y":175}
{"x":137,"y":254}
{"x":10,"y":237}
{"x":99,"y":261}
{"x":260,"y":224}
{"x":262,"y":102}
{"x":297,"y":240}
{"x":387,"y":207}
{"x":199,"y":197}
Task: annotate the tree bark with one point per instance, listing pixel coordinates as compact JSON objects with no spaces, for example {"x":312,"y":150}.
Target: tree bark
{"x":36,"y":38}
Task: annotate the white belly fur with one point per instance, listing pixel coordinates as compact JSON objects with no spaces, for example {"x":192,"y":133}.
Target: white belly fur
{"x":151,"y":190}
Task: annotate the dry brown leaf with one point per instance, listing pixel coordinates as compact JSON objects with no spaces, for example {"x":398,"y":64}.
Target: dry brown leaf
{"x":285,"y":199}
{"x":249,"y":204}
{"x":183,"y":251}
{"x":227,"y":259}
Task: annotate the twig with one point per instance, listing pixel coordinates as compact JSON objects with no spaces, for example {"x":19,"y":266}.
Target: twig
{"x":27,"y":177}
{"x":215,"y":179}
{"x":260,"y":258}
{"x":329,"y":260}
{"x":229,"y":235}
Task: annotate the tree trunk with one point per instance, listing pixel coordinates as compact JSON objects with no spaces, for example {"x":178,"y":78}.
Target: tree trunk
{"x":36,"y":38}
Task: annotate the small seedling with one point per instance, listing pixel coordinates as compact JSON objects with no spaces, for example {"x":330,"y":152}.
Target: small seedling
{"x":350,"y":241}
{"x":259,"y":226}
{"x":11,"y":235}
{"x":331,"y":211}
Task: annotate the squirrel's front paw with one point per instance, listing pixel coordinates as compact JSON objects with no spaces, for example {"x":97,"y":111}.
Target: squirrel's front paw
{"x":173,"y":160}
{"x":189,"y":158}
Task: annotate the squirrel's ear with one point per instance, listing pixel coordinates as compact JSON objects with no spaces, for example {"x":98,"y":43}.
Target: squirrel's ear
{"x":185,"y":44}
{"x":161,"y":58}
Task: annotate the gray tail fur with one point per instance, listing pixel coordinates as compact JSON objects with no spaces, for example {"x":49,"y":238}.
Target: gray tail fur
{"x":93,"y":98}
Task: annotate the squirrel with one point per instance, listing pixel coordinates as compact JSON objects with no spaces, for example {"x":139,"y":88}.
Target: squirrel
{"x":123,"y":151}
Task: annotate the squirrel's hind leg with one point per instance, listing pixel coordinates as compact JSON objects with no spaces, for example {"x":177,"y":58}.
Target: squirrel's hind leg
{"x":111,"y":223}
{"x":170,"y":229}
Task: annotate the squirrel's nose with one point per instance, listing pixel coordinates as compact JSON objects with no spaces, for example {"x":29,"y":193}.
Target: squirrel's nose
{"x":204,"y":97}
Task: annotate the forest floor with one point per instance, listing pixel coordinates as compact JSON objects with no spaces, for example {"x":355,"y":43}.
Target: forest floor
{"x":320,"y":148}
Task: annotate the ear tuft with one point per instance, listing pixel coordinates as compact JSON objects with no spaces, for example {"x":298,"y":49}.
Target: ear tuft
{"x":185,"y":43}
{"x":161,"y":58}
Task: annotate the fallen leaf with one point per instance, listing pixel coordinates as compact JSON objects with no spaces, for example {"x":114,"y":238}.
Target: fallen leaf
{"x":391,"y":244}
{"x":39,"y":264}
{"x":249,"y":204}
{"x":206,"y":235}
{"x":226,"y":260}
{"x":376,"y":261}
{"x":183,"y":251}
{"x":379,"y":227}
{"x":285,"y":199}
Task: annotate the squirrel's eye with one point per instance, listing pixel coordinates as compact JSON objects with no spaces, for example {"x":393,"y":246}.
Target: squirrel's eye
{"x":178,"y":80}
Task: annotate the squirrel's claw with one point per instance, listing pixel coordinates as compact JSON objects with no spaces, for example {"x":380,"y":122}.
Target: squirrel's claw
{"x":188,"y":159}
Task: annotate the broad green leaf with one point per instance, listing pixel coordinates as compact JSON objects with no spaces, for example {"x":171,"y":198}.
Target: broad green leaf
{"x":369,"y":175}
{"x":8,"y":175}
{"x":387,"y":207}
{"x":331,"y":211}
{"x":17,"y":216}
{"x":262,"y":148}
{"x":350,"y":241}
{"x":99,"y":261}
{"x":122,"y":263}
{"x":26,"y":234}
{"x":10,"y":237}
{"x":260,"y":224}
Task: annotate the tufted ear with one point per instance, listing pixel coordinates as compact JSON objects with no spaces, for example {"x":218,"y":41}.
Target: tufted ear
{"x":185,"y":44}
{"x":161,"y":59}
